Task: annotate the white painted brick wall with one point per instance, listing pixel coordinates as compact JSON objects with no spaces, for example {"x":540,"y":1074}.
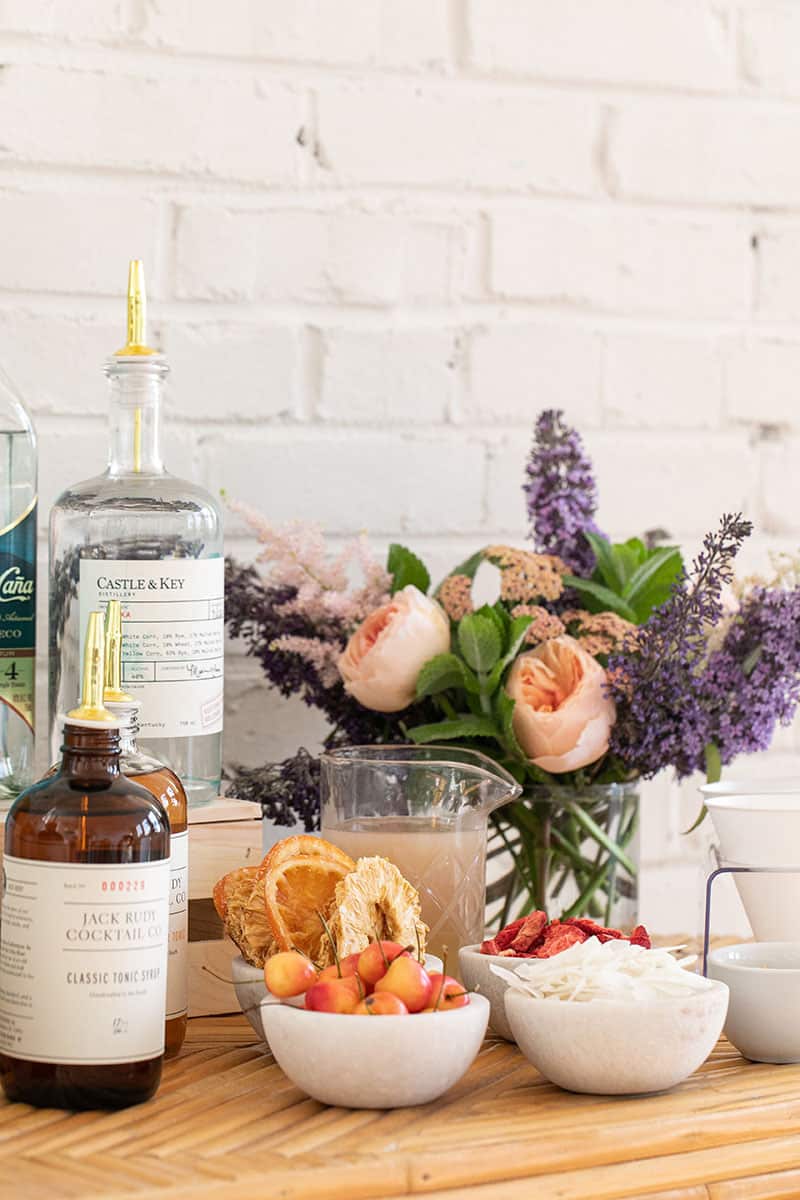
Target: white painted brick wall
{"x":380,"y":237}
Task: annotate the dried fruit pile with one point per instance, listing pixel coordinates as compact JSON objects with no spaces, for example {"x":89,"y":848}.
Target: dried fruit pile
{"x":276,"y":905}
{"x":536,"y":937}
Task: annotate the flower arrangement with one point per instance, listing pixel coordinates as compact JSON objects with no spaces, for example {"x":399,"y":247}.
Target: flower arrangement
{"x":598,"y":664}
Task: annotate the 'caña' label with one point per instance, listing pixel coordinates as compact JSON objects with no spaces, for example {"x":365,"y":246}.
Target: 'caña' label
{"x":172,"y":637}
{"x":83,"y":961}
{"x":18,"y":616}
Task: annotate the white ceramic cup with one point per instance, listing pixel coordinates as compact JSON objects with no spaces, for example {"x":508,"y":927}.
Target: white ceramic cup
{"x":760,"y":827}
{"x":763,"y":978}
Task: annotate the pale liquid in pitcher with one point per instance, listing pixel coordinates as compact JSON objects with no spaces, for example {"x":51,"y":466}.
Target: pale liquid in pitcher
{"x":443,"y":860}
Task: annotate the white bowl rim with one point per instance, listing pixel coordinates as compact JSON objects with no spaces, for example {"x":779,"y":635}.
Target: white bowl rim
{"x":474,"y":998}
{"x":618,"y":1006}
{"x":741,"y":801}
{"x":718,"y":957}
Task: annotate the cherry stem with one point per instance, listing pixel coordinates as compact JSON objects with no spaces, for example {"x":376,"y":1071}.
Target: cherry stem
{"x":444,"y":976}
{"x":327,"y":929}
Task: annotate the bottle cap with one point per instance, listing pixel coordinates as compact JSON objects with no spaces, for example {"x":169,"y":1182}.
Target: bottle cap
{"x":90,"y":711}
{"x":112,"y":691}
{"x":136,"y":343}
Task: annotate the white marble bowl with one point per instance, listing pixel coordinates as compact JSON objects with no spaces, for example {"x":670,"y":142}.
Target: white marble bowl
{"x":477,"y":976}
{"x":764,"y":1012}
{"x":375,"y":1062}
{"x":609,"y":1048}
{"x":250,"y":989}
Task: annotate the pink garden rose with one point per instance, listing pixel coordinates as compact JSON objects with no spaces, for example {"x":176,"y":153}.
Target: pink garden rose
{"x":383,"y":658}
{"x":563,"y":716}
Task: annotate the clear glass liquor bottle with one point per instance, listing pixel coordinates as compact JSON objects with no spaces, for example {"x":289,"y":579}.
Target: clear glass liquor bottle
{"x":155,"y":542}
{"x":17,"y":593}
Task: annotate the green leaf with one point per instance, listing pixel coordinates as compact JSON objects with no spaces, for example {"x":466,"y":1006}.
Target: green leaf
{"x":713,"y":763}
{"x":464,"y":726}
{"x":751,"y":662}
{"x":405,"y":568}
{"x":479,"y":642}
{"x":490,"y":612}
{"x":518,"y":628}
{"x":651,"y":582}
{"x":504,"y":707}
{"x":628,"y":558}
{"x":443,"y":672}
{"x":599,"y":598}
{"x":607,"y":564}
{"x":470,"y":565}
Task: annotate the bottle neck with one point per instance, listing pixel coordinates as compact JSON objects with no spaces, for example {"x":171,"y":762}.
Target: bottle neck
{"x":135,"y":386}
{"x":90,"y":754}
{"x":128,"y":717}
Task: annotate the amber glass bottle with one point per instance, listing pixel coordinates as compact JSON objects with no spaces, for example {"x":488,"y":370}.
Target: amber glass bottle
{"x":83,"y":943}
{"x":164,"y":784}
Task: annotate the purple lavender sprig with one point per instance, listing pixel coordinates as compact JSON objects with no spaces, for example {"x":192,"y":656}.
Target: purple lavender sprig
{"x":663,"y":718}
{"x":752,"y":682}
{"x":561,"y":493}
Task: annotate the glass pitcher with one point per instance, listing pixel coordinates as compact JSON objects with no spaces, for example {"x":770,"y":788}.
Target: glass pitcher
{"x":426,"y":809}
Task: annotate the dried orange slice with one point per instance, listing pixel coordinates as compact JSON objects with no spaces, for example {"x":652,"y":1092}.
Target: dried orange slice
{"x":299,"y":878}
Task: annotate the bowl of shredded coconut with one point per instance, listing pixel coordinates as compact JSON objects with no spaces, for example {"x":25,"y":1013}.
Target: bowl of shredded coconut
{"x":613,"y":1018}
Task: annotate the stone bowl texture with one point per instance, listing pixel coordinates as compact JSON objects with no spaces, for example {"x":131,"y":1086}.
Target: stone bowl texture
{"x":375,"y":1062}
{"x":609,"y":1048}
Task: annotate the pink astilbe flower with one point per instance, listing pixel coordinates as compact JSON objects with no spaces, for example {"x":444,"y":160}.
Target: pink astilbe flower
{"x":297,"y":558}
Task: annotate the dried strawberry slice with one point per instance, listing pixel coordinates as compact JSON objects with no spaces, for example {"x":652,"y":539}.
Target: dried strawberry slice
{"x":559,"y":937}
{"x":530,"y":932}
{"x":592,"y":929}
{"x":640,"y":937}
{"x":490,"y":946}
{"x":506,"y":936}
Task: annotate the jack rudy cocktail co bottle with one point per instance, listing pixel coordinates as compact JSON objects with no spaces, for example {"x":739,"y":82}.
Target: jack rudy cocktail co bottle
{"x":17,"y":593}
{"x":83,"y":940}
{"x":168,"y":789}
{"x":139,"y":535}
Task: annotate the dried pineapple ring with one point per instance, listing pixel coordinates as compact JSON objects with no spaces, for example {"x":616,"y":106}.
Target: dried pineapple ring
{"x":373,"y":901}
{"x":296,"y":882}
{"x":244,"y":918}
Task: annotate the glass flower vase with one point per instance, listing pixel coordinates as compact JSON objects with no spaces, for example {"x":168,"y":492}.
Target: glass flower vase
{"x":569,"y":852}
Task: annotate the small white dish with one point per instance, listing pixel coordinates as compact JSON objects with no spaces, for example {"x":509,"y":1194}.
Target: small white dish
{"x":375,"y":1062}
{"x":764,"y":1012}
{"x":609,"y":1048}
{"x":476,"y":973}
{"x":250,"y":988}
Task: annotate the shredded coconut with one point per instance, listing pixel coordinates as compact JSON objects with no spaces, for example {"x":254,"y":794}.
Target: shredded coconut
{"x":614,"y":970}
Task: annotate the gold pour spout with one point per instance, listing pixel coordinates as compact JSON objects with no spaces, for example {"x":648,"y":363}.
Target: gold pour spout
{"x":91,"y":705}
{"x":137,"y":313}
{"x":112,"y":691}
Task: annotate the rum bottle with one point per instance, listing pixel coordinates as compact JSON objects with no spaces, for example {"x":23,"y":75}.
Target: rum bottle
{"x":83,"y":940}
{"x":17,"y":593}
{"x":139,"y":535}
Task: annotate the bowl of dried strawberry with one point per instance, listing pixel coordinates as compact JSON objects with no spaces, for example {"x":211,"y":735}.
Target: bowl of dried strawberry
{"x":528,"y":937}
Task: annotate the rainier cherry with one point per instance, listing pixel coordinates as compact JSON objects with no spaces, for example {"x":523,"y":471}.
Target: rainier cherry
{"x":373,"y":963}
{"x":446,"y":993}
{"x":342,"y":969}
{"x":381,"y":1004}
{"x":335,"y":995}
{"x":289,"y":974}
{"x":409,"y":980}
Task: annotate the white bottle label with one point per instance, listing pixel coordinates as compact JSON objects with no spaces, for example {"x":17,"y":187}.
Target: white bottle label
{"x":83,"y":961}
{"x":172,"y":637}
{"x":178,"y":968}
